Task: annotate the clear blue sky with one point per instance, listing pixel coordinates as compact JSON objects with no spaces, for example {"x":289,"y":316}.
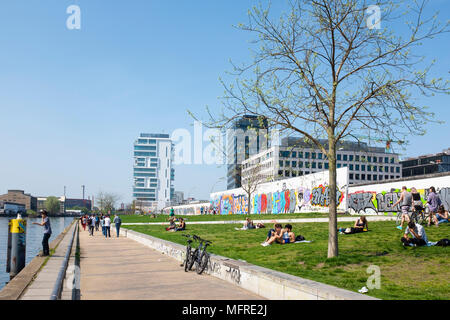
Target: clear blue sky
{"x":72,"y":102}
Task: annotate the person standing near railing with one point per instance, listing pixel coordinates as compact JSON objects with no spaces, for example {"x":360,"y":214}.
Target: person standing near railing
{"x":47,"y":232}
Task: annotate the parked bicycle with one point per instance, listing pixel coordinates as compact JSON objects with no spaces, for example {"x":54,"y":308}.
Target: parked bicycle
{"x":419,"y":216}
{"x":188,"y":258}
{"x":200,"y":257}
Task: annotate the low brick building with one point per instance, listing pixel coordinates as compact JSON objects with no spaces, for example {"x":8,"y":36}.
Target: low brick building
{"x":20,"y":197}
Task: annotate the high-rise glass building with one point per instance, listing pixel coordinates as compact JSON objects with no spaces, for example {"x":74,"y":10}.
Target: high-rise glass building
{"x":153,"y":171}
{"x":248,"y":136}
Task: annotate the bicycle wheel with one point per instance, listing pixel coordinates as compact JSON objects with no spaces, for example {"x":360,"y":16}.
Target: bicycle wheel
{"x":419,"y":217}
{"x":193,"y":258}
{"x":202,"y":263}
{"x":399,"y":218}
{"x":188,"y":259}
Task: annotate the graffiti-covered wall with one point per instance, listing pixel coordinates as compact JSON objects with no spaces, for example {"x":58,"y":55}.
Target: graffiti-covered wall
{"x":189,"y":209}
{"x":378,"y":199}
{"x":309,"y":193}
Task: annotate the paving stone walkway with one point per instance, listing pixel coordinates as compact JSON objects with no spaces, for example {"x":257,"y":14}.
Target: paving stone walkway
{"x":123,"y":269}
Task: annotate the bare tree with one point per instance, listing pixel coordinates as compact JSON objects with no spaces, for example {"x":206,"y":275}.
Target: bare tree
{"x":107,"y":201}
{"x":323,"y":72}
{"x":251,"y":179}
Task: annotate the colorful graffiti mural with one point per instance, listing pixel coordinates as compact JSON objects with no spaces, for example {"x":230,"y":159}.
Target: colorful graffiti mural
{"x":286,"y":201}
{"x":370,"y":202}
{"x":320,"y":196}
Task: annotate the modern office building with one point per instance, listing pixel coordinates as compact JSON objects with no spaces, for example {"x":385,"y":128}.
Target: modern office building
{"x":20,"y":197}
{"x":248,"y":136}
{"x":426,"y":164}
{"x":78,"y":203}
{"x":294,"y":157}
{"x":178,"y":198}
{"x":153,"y":171}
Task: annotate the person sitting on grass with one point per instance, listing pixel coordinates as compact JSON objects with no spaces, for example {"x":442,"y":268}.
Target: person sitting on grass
{"x":441,"y":215}
{"x":274,"y":235}
{"x":419,"y":237}
{"x":288,"y":235}
{"x":361,"y":225}
{"x":172,"y":224}
{"x":181,"y":226}
{"x":248,"y":224}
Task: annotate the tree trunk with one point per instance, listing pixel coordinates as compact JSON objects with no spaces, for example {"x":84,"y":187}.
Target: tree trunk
{"x":249,"y":203}
{"x":332,"y":215}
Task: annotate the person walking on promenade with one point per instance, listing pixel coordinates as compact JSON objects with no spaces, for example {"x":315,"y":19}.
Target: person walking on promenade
{"x":97,"y":222}
{"x":107,"y":227}
{"x":406,"y":200}
{"x":102,"y":222}
{"x":91,"y":225}
{"x":47,"y":232}
{"x":118,"y":223}
{"x":433,"y":202}
{"x":83,"y":222}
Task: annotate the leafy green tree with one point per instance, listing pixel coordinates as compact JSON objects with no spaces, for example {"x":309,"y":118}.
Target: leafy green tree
{"x":31,"y":212}
{"x":52,"y":205}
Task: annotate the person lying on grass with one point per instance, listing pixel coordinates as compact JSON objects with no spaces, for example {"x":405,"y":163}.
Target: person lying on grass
{"x":361,"y":225}
{"x":279,"y":235}
{"x":419,"y":237}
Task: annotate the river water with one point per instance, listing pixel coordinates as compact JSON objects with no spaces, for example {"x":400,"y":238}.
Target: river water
{"x":34,"y":240}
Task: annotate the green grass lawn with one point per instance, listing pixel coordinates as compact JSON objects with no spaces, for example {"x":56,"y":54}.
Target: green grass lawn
{"x":406,"y":273}
{"x":164,"y":218}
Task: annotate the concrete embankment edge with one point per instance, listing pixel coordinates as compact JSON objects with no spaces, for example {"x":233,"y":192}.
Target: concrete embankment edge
{"x":265,"y":282}
{"x":17,"y":286}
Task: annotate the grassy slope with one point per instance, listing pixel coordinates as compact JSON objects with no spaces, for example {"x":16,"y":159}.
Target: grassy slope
{"x":406,"y":273}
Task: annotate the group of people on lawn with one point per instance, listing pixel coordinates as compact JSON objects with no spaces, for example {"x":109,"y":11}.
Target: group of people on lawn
{"x":411,"y":202}
{"x":173,"y":226}
{"x":279,"y":235}
{"x":408,"y":201}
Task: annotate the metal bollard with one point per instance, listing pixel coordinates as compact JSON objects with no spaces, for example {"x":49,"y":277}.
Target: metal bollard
{"x":16,"y":246}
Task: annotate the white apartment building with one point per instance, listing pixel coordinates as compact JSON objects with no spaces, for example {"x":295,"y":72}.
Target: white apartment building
{"x":153,"y":171}
{"x":295,"y":158}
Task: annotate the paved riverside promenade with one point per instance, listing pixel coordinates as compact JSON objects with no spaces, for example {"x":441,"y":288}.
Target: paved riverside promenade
{"x":123,"y":269}
{"x":42,"y":286}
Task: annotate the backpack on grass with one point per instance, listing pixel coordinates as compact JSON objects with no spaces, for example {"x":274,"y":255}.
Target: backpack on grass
{"x":299,"y":238}
{"x":443,"y":243}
